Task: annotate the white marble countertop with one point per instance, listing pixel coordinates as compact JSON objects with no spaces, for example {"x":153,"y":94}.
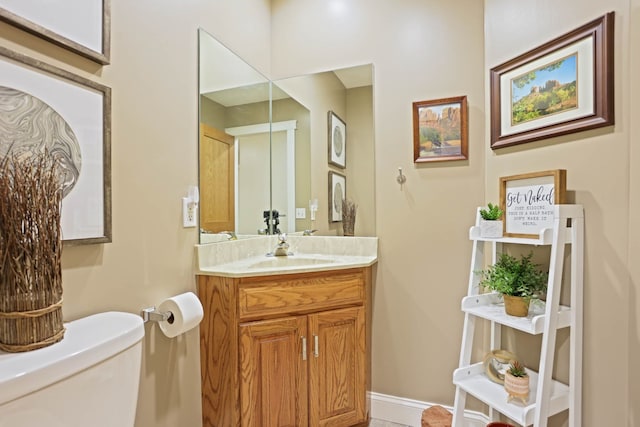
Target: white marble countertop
{"x":248,"y":257}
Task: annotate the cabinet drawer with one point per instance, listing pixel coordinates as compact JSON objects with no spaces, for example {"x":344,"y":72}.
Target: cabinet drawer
{"x":299,"y":293}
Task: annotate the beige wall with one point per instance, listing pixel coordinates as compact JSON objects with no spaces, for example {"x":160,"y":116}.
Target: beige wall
{"x":322,"y":92}
{"x":422,"y":226}
{"x":633,"y":51}
{"x":290,"y":109}
{"x":153,"y":76}
{"x":361,"y":158}
{"x":421,"y":50}
{"x":600,"y":175}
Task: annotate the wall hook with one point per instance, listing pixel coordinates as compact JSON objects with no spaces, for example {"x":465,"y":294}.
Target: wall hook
{"x":401,"y":178}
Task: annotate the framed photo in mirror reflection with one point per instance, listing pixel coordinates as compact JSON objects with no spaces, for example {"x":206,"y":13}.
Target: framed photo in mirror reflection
{"x":337,"y":141}
{"x":337,"y":193}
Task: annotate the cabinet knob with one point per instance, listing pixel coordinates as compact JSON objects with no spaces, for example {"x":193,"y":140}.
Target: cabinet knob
{"x":315,"y":346}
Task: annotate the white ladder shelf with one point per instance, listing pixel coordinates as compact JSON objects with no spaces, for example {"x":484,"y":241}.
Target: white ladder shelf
{"x":547,"y":396}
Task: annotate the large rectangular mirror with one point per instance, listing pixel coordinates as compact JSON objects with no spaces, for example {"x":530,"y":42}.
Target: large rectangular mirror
{"x":264,"y":146}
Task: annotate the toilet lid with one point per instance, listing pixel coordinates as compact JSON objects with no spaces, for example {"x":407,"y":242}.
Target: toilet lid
{"x":86,"y":342}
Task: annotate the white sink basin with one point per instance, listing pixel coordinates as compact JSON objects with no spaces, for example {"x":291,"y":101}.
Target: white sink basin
{"x":289,"y":261}
{"x":247,"y":257}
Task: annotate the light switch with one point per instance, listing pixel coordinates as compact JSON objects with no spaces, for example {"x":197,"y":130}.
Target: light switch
{"x":301,"y":213}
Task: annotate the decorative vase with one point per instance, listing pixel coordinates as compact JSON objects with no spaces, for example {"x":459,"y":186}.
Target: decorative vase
{"x":491,"y":229}
{"x":516,"y":306}
{"x":31,"y":247}
{"x":496,"y":364}
{"x":517,"y":387}
{"x":348,"y":217}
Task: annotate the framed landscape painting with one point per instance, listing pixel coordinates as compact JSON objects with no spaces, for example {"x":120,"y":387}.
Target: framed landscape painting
{"x":561,"y":87}
{"x":440,"y":130}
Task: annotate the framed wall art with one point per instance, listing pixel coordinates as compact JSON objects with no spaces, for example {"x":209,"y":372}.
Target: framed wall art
{"x":337,"y":141}
{"x":337,"y":193}
{"x":440,"y":130}
{"x":527,"y":201}
{"x":561,"y":87}
{"x":46,"y":108}
{"x":81,"y":26}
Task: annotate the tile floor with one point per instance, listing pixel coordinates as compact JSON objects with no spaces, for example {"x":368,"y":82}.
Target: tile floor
{"x":382,"y":423}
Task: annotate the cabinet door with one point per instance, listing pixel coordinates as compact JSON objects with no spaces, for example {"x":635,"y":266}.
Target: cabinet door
{"x":273,"y":374}
{"x":337,"y":383}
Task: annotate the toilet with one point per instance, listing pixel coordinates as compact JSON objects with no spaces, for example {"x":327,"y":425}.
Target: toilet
{"x":90,"y":378}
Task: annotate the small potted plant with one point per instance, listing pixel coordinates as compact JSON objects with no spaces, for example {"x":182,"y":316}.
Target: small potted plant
{"x":516,"y":382}
{"x":490,"y":224}
{"x":518,"y":280}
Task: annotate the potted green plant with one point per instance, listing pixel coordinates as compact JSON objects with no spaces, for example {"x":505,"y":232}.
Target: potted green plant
{"x":490,"y":223}
{"x":516,"y":382}
{"x":518,"y":280}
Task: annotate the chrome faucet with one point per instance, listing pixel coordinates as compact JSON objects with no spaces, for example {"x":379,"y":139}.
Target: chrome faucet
{"x":282,"y":249}
{"x":231,"y":235}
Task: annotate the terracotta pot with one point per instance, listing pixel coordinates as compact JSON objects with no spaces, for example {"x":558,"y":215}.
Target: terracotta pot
{"x":517,"y":387}
{"x":516,"y":306}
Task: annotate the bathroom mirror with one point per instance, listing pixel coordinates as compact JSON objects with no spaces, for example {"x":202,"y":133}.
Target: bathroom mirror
{"x":264,"y":146}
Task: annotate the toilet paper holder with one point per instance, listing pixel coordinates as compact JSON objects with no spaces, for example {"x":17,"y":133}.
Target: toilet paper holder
{"x":152,"y":314}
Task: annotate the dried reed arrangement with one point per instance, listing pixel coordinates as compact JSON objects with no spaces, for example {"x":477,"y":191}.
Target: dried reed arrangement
{"x":30,"y":253}
{"x":348,"y":216}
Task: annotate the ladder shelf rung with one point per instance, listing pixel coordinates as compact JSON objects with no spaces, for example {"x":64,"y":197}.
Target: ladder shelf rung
{"x":473,"y":380}
{"x":490,"y":306}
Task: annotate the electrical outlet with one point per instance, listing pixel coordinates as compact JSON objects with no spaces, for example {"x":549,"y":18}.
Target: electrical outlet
{"x":188,"y":213}
{"x":301,"y":213}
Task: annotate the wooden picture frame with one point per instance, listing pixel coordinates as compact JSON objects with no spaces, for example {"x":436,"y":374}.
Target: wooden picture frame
{"x":71,"y":24}
{"x":337,"y":131}
{"x":337,"y":193}
{"x":440,"y":130}
{"x":561,"y":87}
{"x":68,"y":115}
{"x":527,"y":201}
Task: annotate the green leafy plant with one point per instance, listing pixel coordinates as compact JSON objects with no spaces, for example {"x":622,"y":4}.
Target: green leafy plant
{"x":516,"y":277}
{"x":491,"y":212}
{"x":517,"y":369}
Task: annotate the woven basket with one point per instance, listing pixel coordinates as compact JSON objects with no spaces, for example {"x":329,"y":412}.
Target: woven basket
{"x":32,"y":329}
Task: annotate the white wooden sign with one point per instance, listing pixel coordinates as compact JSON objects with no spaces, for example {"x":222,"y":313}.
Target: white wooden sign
{"x":527,"y":201}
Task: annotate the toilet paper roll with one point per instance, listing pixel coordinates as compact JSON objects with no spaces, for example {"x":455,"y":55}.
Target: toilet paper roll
{"x":186,"y":311}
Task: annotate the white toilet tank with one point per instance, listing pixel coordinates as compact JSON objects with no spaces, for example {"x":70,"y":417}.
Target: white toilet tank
{"x":89,"y":379}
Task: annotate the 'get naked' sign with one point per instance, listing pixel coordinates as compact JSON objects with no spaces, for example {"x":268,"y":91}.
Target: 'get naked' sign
{"x":528,"y":201}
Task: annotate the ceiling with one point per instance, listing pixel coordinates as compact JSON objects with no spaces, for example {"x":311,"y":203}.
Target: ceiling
{"x":351,"y":77}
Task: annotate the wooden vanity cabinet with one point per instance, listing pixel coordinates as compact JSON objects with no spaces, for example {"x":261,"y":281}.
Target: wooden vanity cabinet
{"x":286,"y":350}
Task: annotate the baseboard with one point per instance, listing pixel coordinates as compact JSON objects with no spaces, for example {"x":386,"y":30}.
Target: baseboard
{"x":409,"y":412}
